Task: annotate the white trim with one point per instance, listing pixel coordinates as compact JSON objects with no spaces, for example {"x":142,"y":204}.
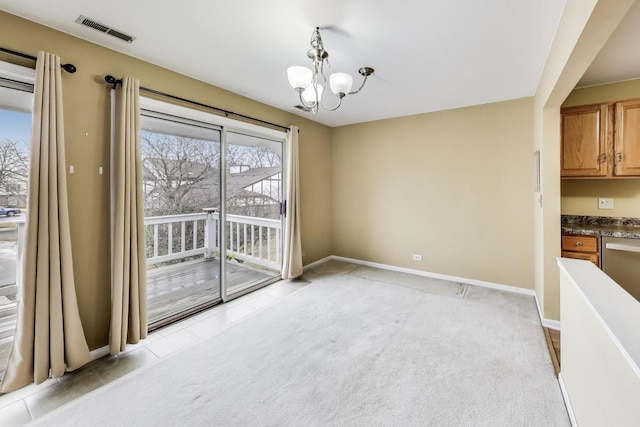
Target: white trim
{"x":567,"y":401}
{"x":316,"y":263}
{"x":99,"y":352}
{"x":17,"y":72}
{"x":547,"y":323}
{"x":551,"y":324}
{"x":490,"y":285}
{"x":17,"y":96}
{"x":201,"y":116}
{"x":542,"y":319}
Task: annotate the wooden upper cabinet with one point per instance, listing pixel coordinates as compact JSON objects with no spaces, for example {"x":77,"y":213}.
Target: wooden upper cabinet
{"x":585,"y":134}
{"x":626,"y":151}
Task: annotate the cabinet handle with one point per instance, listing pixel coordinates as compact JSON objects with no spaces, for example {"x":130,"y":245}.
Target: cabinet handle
{"x":619,"y":157}
{"x":578,"y":243}
{"x":603,"y":158}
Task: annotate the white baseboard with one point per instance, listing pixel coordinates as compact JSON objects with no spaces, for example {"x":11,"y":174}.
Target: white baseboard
{"x":551,"y":324}
{"x":548,"y":323}
{"x":567,"y":402}
{"x":316,"y":263}
{"x":464,"y":280}
{"x":99,"y":352}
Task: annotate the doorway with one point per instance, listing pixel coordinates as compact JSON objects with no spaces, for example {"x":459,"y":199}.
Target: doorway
{"x":213,"y":223}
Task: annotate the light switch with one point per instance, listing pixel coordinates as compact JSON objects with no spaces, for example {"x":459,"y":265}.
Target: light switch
{"x":605,"y":203}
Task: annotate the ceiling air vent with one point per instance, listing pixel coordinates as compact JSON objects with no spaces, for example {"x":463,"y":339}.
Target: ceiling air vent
{"x":83,"y":20}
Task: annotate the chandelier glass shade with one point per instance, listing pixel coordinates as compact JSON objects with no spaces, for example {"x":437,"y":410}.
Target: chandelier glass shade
{"x":311,"y":83}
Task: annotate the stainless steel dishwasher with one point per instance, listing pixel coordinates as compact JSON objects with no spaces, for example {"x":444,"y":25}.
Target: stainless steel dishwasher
{"x":621,"y":262}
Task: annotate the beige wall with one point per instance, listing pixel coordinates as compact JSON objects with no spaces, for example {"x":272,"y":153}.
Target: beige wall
{"x":580,"y":197}
{"x":86,"y":105}
{"x":453,"y":186}
{"x":612,"y":92}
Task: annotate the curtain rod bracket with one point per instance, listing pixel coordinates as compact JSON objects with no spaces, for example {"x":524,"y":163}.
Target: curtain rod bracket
{"x":69,"y":68}
{"x":112,"y":81}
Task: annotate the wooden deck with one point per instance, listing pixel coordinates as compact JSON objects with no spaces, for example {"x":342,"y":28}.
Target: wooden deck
{"x":171,"y":290}
{"x":179,"y":287}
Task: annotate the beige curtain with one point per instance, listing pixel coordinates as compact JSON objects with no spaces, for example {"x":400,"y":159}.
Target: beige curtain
{"x":49,"y":338}
{"x":292,"y":258}
{"x":129,"y":269}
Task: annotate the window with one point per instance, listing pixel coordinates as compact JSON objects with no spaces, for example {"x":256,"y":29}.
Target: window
{"x":16,"y":99}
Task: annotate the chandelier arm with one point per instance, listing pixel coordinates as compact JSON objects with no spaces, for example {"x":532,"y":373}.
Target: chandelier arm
{"x":336,"y":107}
{"x":360,"y":88}
{"x":329,"y":108}
{"x":304,"y":104}
{"x":327,"y":86}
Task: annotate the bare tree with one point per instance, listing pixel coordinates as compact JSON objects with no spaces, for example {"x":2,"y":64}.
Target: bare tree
{"x":178,"y":173}
{"x":262,"y":157}
{"x":14,"y":167}
{"x":182,"y":175}
{"x":256,"y":156}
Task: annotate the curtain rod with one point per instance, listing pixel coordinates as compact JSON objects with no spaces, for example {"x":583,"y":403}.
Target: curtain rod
{"x":69,"y":68}
{"x":113,"y":81}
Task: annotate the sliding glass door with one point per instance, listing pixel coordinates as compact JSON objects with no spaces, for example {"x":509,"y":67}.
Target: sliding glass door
{"x":182,"y":198}
{"x":252,"y":211}
{"x":213,"y":223}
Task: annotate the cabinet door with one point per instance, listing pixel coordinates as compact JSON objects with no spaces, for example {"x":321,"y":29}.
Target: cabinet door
{"x":627,"y":139}
{"x":585,"y":132}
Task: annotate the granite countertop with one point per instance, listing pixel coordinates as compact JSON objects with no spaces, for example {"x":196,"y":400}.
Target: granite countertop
{"x":601,"y":226}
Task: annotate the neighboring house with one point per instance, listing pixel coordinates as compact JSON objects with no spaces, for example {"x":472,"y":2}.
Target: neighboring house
{"x":13,"y":200}
{"x":14,"y":186}
{"x":257,"y":186}
{"x":181,"y":186}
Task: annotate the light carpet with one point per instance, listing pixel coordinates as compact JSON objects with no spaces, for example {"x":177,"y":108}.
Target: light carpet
{"x":349,"y":351}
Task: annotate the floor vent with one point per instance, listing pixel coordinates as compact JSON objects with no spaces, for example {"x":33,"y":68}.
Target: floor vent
{"x":83,"y":20}
{"x":463,"y":291}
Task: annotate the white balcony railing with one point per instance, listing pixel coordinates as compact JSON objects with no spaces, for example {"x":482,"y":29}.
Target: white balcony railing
{"x":172,"y":237}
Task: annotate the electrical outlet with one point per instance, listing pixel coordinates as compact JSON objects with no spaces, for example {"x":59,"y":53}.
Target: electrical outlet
{"x":605,"y":203}
{"x":417,"y":257}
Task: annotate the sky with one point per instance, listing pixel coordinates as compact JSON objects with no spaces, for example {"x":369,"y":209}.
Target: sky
{"x":15,"y":126}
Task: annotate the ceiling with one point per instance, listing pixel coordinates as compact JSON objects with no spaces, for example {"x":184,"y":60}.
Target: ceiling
{"x":619,"y":58}
{"x":428,"y":55}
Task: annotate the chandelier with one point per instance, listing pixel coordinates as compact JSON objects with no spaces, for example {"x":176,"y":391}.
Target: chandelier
{"x":311,"y":84}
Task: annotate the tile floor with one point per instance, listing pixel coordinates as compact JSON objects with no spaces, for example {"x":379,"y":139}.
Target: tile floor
{"x":22,"y":406}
